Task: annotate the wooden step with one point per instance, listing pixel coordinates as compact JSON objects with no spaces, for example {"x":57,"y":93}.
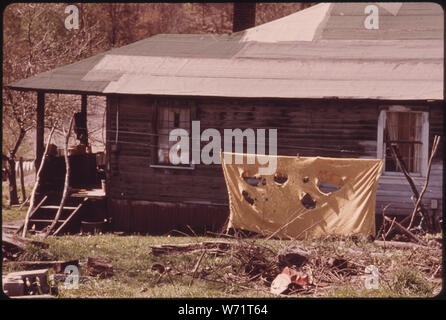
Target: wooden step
{"x":57,"y":207}
{"x":45,"y":220}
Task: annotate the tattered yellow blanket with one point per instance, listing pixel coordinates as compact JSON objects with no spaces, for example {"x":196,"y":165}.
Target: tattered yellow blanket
{"x":306,"y":197}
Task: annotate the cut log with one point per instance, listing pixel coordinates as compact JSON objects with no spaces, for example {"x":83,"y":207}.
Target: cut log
{"x":101,"y":267}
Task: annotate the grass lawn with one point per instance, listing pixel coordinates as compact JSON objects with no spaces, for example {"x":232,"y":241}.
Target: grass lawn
{"x":13,"y":213}
{"x":402,"y":273}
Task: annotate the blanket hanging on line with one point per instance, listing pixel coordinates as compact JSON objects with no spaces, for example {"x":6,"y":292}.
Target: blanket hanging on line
{"x":292,"y":203}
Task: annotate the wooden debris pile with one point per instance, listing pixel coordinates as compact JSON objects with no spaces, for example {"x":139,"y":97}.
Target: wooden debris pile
{"x":13,"y":246}
{"x":248,"y":265}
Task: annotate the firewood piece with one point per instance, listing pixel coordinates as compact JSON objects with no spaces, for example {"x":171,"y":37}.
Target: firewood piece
{"x":101,"y":267}
{"x":58,"y":266}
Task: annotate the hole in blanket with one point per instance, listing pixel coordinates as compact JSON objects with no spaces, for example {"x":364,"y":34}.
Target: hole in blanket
{"x":248,"y":199}
{"x":308,"y":202}
{"x":326,"y":187}
{"x":250,"y":179}
{"x":280,"y":178}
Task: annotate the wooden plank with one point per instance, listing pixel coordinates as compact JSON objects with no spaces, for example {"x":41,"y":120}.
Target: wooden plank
{"x":45,"y":220}
{"x":57,"y":207}
{"x":58,"y":266}
{"x":20,"y":242}
{"x":38,"y":296}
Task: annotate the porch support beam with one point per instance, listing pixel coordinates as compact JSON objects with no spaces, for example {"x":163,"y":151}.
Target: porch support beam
{"x":84,"y":138}
{"x":40,"y":128}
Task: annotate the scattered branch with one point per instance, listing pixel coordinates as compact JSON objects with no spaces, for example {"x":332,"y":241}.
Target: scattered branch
{"x":406,"y":232}
{"x":418,"y":203}
{"x":36,"y":184}
{"x":67,"y":182}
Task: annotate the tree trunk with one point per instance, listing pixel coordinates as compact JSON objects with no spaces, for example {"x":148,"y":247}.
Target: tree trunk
{"x":13,"y":198}
{"x":22,"y":180}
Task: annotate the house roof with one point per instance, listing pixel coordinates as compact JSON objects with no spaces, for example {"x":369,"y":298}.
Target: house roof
{"x":323,"y":51}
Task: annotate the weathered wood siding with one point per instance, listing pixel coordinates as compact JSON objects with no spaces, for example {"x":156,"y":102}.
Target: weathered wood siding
{"x":331,"y":128}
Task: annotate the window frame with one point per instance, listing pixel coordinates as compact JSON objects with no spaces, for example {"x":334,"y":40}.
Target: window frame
{"x":155,"y":131}
{"x":381,"y":144}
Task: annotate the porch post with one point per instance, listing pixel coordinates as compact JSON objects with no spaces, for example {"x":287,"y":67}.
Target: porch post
{"x":40,"y":129}
{"x":84,"y":139}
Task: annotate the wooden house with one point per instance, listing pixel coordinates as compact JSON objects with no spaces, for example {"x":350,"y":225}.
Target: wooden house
{"x":332,"y":81}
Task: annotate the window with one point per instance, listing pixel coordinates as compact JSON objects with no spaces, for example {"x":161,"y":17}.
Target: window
{"x":408,"y":130}
{"x":170,"y":118}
